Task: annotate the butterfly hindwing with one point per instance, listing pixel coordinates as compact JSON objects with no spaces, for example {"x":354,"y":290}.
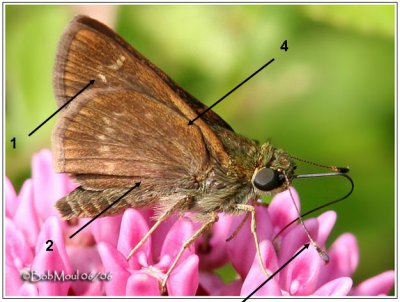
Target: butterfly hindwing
{"x":129,"y":135}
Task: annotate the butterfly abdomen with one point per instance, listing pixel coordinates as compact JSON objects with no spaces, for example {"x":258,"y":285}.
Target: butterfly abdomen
{"x":86,"y":203}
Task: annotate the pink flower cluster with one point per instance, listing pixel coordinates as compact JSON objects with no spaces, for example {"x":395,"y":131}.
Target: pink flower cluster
{"x":37,"y":242}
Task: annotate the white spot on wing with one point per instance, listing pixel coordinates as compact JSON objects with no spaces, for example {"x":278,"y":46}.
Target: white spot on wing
{"x":102,"y":78}
{"x":106,"y":120}
{"x":118,"y":64}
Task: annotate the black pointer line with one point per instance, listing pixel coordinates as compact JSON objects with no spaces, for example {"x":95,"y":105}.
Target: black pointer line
{"x":97,"y":216}
{"x":59,"y":109}
{"x":281,"y":268}
{"x":252,"y":75}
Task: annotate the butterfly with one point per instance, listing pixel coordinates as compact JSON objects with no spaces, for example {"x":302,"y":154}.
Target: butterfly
{"x":132,"y":126}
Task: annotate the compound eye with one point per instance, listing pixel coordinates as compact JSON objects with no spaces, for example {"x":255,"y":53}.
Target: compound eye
{"x":267,"y":179}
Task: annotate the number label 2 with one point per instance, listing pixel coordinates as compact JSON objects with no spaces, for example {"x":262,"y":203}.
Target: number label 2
{"x":50,"y":243}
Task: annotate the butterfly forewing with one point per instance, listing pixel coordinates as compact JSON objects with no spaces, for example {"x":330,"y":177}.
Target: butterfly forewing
{"x":89,"y":51}
{"x":84,"y":54}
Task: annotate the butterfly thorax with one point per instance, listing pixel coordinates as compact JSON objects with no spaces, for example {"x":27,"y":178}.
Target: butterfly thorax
{"x":224,"y":187}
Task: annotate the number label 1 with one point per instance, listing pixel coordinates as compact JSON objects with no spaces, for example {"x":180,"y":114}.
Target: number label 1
{"x":13,"y":141}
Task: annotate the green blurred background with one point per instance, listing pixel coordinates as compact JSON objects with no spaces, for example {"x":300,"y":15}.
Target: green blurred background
{"x":329,"y":98}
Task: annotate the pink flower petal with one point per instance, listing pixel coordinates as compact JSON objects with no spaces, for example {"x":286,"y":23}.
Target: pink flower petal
{"x":181,"y":231}
{"x":48,"y":186}
{"x":142,"y":284}
{"x":95,"y":289}
{"x":184,"y":279}
{"x":292,"y":242}
{"x":210,"y":282}
{"x":326,"y":222}
{"x":51,"y":234}
{"x":50,"y":262}
{"x":133,"y":229}
{"x":343,"y":261}
{"x":86,"y":259}
{"x":213,"y":251}
{"x":242,"y":248}
{"x":337,"y":287}
{"x":255,"y":277}
{"x":231,"y":289}
{"x":18,"y":257}
{"x":212,"y":285}
{"x":13,"y":280}
{"x":54,"y":260}
{"x":18,"y":252}
{"x":282,"y":210}
{"x":296,"y":238}
{"x":11,"y":198}
{"x":106,"y":229}
{"x":159,"y":235}
{"x":116,"y":265}
{"x":271,"y":288}
{"x":28,"y":289}
{"x":302,"y":273}
{"x":375,"y":286}
{"x":25,"y":216}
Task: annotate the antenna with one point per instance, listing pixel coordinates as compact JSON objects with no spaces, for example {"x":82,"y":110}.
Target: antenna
{"x":332,"y":168}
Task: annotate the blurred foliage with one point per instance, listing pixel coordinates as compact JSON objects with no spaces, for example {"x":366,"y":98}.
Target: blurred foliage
{"x":329,"y":98}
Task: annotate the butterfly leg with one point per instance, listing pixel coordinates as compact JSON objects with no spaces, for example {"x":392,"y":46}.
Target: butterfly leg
{"x":250,"y":209}
{"x":237,"y":230}
{"x":160,"y":219}
{"x":212,"y":218}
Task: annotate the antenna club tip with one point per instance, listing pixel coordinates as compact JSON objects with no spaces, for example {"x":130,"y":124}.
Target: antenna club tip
{"x":325,"y":258}
{"x":323,"y":254}
{"x":342,"y":170}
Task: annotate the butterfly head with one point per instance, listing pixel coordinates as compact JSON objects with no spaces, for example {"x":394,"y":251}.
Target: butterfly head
{"x":274,"y":172}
